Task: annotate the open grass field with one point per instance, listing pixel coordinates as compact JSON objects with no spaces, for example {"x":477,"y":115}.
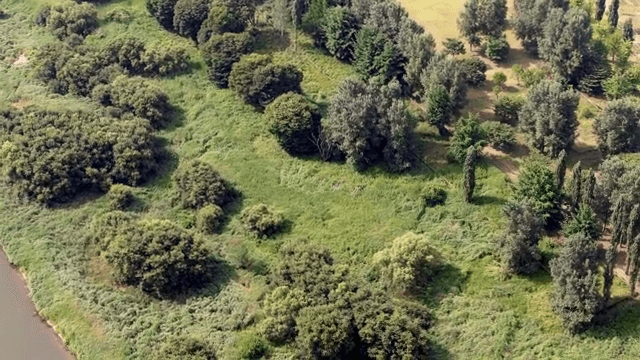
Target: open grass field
{"x":478,"y":313}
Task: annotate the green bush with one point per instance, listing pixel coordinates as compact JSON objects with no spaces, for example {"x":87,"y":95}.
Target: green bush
{"x":221,"y":20}
{"x":468,"y":133}
{"x":251,"y":346}
{"x":434,"y":196}
{"x":500,"y":136}
{"x":222,"y":51}
{"x":199,"y":184}
{"x":262,"y":221}
{"x":163,"y":11}
{"x":259,"y":82}
{"x":69,"y":18}
{"x":518,"y":246}
{"x":583,"y":222}
{"x":209,"y":219}
{"x":506,"y":109}
{"x":618,"y":127}
{"x":185,"y":348}
{"x":408,"y":264}
{"x":120,"y":196}
{"x":453,"y":46}
{"x":158,"y":256}
{"x":497,"y":48}
{"x":133,"y":56}
{"x":475,"y":69}
{"x":188,"y":16}
{"x":52,"y":156}
{"x":537,"y":185}
{"x":295,"y":123}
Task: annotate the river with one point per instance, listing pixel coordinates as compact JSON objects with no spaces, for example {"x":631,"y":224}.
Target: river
{"x":23,"y":333}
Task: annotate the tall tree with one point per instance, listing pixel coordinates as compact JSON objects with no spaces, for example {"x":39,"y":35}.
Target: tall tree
{"x":448,"y":72}
{"x":634,"y":254}
{"x":618,"y":127}
{"x":574,"y":271}
{"x":613,"y":13}
{"x":561,"y":169}
{"x":470,"y":173}
{"x":340,"y":28}
{"x":618,"y":220}
{"x":530,"y":17}
{"x":519,"y":244}
{"x":468,"y":23}
{"x":576,"y":189}
{"x":600,"y":6}
{"x":438,"y":106}
{"x":537,"y":185}
{"x":632,"y":231}
{"x":482,"y":18}
{"x":281,"y":15}
{"x":589,"y":188}
{"x":548,"y":117}
{"x":627,"y":30}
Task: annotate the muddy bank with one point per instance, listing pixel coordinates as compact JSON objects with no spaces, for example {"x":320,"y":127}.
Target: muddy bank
{"x":23,"y":333}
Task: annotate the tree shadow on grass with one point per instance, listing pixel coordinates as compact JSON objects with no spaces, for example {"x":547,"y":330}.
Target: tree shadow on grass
{"x":619,"y":321}
{"x":219,"y":274}
{"x":270,"y":40}
{"x":488,"y":200}
{"x":448,"y":280}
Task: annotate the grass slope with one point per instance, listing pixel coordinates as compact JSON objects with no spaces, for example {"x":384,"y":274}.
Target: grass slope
{"x":479,"y":314}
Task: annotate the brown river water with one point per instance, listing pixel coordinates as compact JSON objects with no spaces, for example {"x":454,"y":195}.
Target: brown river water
{"x":24,"y":335}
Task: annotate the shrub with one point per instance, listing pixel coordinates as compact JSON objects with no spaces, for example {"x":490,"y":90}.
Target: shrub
{"x":163,"y":11}
{"x":407,"y":264}
{"x":199,"y":184}
{"x":165,"y":61}
{"x":251,"y":346}
{"x":295,"y":123}
{"x":209,"y":219}
{"x":507,"y":108}
{"x":132,"y":55}
{"x":325,"y":332}
{"x":468,"y":133}
{"x":583,"y":222}
{"x":438,"y":104}
{"x":434,"y":196}
{"x":138,"y":96}
{"x":158,"y":256}
{"x":340,"y":28}
{"x":221,"y":19}
{"x":259,"y":82}
{"x":618,"y":127}
{"x":475,"y":70}
{"x":497,"y":48}
{"x":189,"y":15}
{"x":537,"y":185}
{"x":500,"y":136}
{"x":518,"y":246}
{"x":69,"y":18}
{"x":222,"y":51}
{"x":368,"y":123}
{"x":454,"y":46}
{"x":120,"y":196}
{"x":262,"y":221}
{"x":185,"y":348}
{"x":52,"y":156}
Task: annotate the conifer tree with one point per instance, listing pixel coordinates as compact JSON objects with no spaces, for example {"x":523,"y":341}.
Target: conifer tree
{"x":561,"y":169}
{"x":634,"y":221}
{"x":470,"y":173}
{"x":627,"y":30}
{"x":589,"y":188}
{"x":613,"y":13}
{"x":576,"y":191}
{"x":634,"y":255}
{"x":600,"y":6}
{"x":612,"y":252}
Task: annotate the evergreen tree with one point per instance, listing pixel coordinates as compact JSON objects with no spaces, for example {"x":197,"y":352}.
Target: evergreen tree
{"x":575,"y":277}
{"x":537,"y":185}
{"x":448,"y":72}
{"x":468,"y":23}
{"x":589,"y":188}
{"x":600,"y":6}
{"x":576,"y":189}
{"x":377,"y":56}
{"x":280,"y":15}
{"x":634,"y":255}
{"x":613,"y":13}
{"x":518,"y":246}
{"x":561,"y":169}
{"x":470,"y":173}
{"x":439,"y":109}
{"x":618,"y":127}
{"x":340,"y":28}
{"x":632,"y":230}
{"x":627,"y":30}
{"x":618,"y":222}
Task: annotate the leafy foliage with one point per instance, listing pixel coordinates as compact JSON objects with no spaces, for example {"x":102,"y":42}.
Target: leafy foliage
{"x":561,"y":169}
{"x":221,"y":19}
{"x":475,"y":70}
{"x":468,"y":133}
{"x":618,"y":127}
{"x":439,"y":110}
{"x":584,"y":222}
{"x":369,"y":123}
{"x":52,"y":156}
{"x":627,"y":30}
{"x":537,"y":185}
{"x":454,"y":46}
{"x":258,"y":81}
{"x":470,"y":173}
{"x":497,"y":48}
{"x":613,"y":13}
{"x":419,"y":49}
{"x":518,"y":245}
{"x":295,"y":123}
{"x":575,"y":295}
{"x":506,"y":109}
{"x":163,"y":11}
{"x":449,"y":73}
{"x":481,"y":18}
{"x":185,"y":348}
{"x":120,"y":196}
{"x":548,"y":117}
{"x":530,"y":18}
{"x":340,"y":28}
{"x":376,"y":56}
{"x":499,"y":135}
{"x":222,"y":51}
{"x":262,"y":221}
{"x":188,"y":16}
{"x":209,"y":219}
{"x":199,"y":184}
{"x":69,"y":18}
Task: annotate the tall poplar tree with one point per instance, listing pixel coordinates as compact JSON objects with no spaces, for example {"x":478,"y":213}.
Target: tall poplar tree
{"x":600,"y":7}
{"x":618,"y":220}
{"x":470,"y":173}
{"x":561,"y":169}
{"x":613,"y":13}
{"x":576,"y":190}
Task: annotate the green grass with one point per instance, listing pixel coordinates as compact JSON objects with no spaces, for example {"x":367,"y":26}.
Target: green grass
{"x":479,"y":313}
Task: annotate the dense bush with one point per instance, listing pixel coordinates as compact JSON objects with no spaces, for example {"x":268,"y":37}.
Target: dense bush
{"x":506,"y":108}
{"x":438,"y":109}
{"x":221,"y":19}
{"x":209,"y":219}
{"x":453,"y":46}
{"x":158,"y":256}
{"x":537,"y":185}
{"x":499,"y":135}
{"x":135,"y":58}
{"x":468,"y":133}
{"x":583,"y":222}
{"x":434,"y":196}
{"x":325,"y":332}
{"x":189,"y":15}
{"x":69,"y":70}
{"x":475,"y":70}
{"x":120,"y":196}
{"x":258,"y":81}
{"x":199,"y":184}
{"x":449,"y":73}
{"x":340,"y":29}
{"x":52,"y":156}
{"x":518,"y":246}
{"x":138,"y":96}
{"x":162,"y":10}
{"x":497,"y":48}
{"x":69,"y":19}
{"x":295,"y":123}
{"x":408,"y":264}
{"x":618,"y":127}
{"x":262,"y":220}
{"x":548,"y":117}
{"x":575,"y":295}
{"x":369,"y":124}
{"x":222,"y":51}
{"x":185,"y":348}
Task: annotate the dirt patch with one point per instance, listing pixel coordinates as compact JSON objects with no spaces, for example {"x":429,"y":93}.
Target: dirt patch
{"x":621,"y":261}
{"x":22,"y":60}
{"x":21,"y":104}
{"x":502,"y":161}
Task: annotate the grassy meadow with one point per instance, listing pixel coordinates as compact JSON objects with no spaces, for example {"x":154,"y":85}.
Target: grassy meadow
{"x":478,"y":312}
